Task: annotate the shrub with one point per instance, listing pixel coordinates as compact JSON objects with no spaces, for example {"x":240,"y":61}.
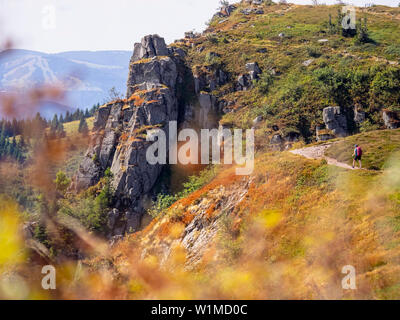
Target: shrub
{"x":265,"y":82}
{"x":367,"y":125}
{"x":62,"y":182}
{"x":164,"y":201}
{"x":314,"y":52}
{"x":212,"y":59}
{"x":90,"y":210}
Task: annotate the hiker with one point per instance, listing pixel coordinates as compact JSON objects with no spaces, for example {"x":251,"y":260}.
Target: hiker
{"x":357,"y":155}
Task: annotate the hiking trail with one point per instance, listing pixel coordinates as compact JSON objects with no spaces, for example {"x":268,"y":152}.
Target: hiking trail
{"x":318,"y":152}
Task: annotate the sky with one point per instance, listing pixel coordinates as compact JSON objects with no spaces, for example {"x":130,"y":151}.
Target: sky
{"x":68,"y":25}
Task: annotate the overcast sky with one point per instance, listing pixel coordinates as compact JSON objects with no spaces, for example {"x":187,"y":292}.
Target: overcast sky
{"x":65,"y":25}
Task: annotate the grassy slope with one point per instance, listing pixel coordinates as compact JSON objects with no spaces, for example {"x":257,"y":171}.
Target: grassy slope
{"x":377,"y":147}
{"x":302,"y":220}
{"x":239,"y":37}
{"x":77,"y":148}
{"x":289,"y":237}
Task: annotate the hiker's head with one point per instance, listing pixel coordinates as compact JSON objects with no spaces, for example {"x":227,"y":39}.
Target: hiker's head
{"x":356,"y":146}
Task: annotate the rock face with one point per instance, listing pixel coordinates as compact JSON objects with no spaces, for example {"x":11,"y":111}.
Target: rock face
{"x":335,"y":121}
{"x":119,"y":135}
{"x":391,"y":119}
{"x":245,"y":81}
{"x":359,"y":116}
{"x":226,"y":11}
{"x":157,"y":81}
{"x":150,"y":46}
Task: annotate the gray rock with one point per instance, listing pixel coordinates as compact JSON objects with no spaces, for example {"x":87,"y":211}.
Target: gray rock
{"x":276,"y":139}
{"x":253,"y":69}
{"x":150,"y":75}
{"x":257,"y":120}
{"x":292,"y":137}
{"x":243,"y":82}
{"x":206,"y":118}
{"x":308,"y":62}
{"x":119,"y":141}
{"x":335,"y":121}
{"x":391,"y":119}
{"x":323,"y":134}
{"x":247,"y":11}
{"x":359,"y":116}
{"x":226,"y":11}
{"x":150,"y":46}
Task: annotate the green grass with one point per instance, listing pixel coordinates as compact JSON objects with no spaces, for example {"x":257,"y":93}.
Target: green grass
{"x":378,"y":147}
{"x":295,"y":98}
{"x":71,"y":128}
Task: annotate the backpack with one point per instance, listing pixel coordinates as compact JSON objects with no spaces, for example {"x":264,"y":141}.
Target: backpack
{"x":359,"y":151}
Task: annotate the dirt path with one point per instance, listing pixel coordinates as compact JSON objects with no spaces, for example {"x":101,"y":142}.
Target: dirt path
{"x":318,"y":152}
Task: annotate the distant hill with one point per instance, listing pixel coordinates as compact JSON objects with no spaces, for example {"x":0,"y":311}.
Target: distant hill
{"x":86,"y":76}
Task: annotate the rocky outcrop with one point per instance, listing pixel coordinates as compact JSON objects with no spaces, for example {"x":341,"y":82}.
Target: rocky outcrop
{"x":245,"y":81}
{"x":200,"y":232}
{"x":157,"y":82}
{"x":391,"y":119}
{"x":119,"y":135}
{"x":359,"y":116}
{"x":226,"y":11}
{"x":335,"y":121}
{"x":150,"y":46}
{"x":322,"y":134}
{"x":208,"y":78}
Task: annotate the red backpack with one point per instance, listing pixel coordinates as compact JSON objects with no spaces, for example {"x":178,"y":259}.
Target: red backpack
{"x":359,"y":152}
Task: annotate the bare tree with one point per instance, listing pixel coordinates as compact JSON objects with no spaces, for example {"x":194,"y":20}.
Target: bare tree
{"x":114,"y":94}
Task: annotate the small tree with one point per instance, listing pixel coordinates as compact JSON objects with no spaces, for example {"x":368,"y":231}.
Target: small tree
{"x":62,"y":182}
{"x":114,"y":94}
{"x":83,"y":127}
{"x":362,"y":31}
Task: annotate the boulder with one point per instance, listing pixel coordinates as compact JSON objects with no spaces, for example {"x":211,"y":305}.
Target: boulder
{"x":226,"y":11}
{"x":323,"y":134}
{"x":276,"y":139}
{"x":257,"y":120}
{"x":243,"y":82}
{"x":335,"y":121}
{"x":391,"y":119}
{"x":308,"y":62}
{"x":253,"y":69}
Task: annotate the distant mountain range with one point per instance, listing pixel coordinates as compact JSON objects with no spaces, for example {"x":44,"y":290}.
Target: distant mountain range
{"x":86,"y":76}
